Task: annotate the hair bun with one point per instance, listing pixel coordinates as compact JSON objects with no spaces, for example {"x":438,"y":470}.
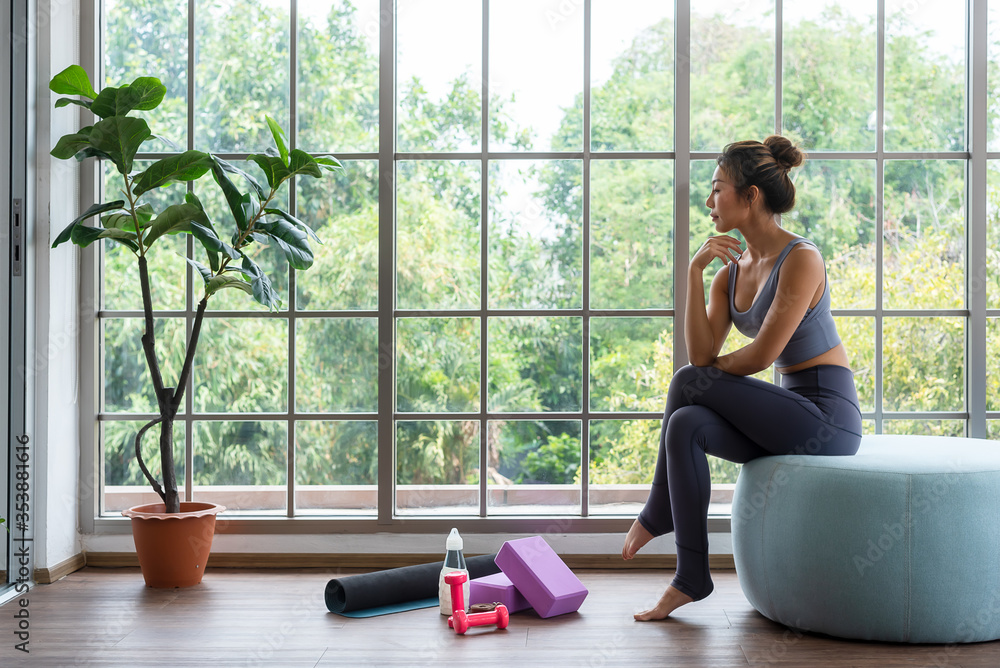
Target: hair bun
{"x":785,"y":153}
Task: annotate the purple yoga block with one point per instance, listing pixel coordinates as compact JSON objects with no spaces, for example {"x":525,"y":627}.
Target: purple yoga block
{"x":497,"y":588}
{"x":541,"y":576}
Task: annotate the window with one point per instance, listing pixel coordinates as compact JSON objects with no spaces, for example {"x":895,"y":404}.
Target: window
{"x":491,"y":323}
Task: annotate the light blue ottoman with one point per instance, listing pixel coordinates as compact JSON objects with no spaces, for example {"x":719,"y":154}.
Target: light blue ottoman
{"x":900,"y":542}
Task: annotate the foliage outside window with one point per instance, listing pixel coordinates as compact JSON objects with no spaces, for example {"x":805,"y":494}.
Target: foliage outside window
{"x":489,"y":357}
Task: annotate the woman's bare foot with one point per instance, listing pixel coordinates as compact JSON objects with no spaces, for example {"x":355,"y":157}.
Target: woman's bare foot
{"x":636,"y":538}
{"x":670,"y":601}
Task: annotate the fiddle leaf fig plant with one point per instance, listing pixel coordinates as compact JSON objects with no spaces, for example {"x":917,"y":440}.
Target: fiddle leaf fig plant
{"x":134,"y":223}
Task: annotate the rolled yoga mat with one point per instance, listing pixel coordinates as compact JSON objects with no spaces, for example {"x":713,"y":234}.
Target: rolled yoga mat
{"x":396,"y":589}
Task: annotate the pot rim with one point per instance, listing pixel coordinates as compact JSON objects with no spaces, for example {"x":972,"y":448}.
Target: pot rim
{"x":189,"y":509}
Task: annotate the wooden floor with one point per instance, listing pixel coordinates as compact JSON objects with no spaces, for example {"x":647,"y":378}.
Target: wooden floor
{"x":108,"y":618}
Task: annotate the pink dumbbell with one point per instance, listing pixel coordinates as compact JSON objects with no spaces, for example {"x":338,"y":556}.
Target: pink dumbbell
{"x":461,"y":620}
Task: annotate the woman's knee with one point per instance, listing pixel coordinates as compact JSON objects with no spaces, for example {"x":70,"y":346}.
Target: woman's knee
{"x":691,"y":381}
{"x":683,"y":427}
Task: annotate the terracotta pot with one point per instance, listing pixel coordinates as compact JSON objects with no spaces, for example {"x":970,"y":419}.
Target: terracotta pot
{"x":173,"y":548}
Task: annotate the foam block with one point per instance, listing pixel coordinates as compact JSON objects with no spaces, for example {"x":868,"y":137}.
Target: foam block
{"x":541,"y":576}
{"x":497,"y":589}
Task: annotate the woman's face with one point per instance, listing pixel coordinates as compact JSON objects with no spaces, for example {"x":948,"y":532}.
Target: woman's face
{"x":727,"y":208}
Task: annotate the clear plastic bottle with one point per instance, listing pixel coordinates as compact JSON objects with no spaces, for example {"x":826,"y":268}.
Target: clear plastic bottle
{"x":454,"y":560}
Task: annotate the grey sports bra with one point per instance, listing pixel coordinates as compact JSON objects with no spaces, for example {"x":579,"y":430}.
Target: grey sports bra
{"x":816,"y":333}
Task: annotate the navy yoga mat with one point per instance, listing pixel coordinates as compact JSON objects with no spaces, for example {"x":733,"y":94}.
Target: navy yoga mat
{"x":396,"y":589}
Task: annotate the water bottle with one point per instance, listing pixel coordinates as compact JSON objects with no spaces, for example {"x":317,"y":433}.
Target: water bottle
{"x":454,"y":560}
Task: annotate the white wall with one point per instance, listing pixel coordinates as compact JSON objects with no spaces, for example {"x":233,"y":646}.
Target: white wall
{"x":54,"y":360}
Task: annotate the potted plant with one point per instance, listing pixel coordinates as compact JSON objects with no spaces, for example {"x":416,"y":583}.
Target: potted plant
{"x":179,"y":534}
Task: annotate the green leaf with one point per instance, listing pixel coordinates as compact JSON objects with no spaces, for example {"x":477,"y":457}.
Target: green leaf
{"x":95,"y":209}
{"x":260,"y":284}
{"x":274,"y":169}
{"x":71,"y":144}
{"x":231,"y":192}
{"x":145,"y":213}
{"x":73,"y":81}
{"x":293,"y":242}
{"x":142,"y":94}
{"x":175,"y":219}
{"x":91,"y":152}
{"x":279,"y":138}
{"x":169,"y":144}
{"x":294,"y":221}
{"x":329,"y":163}
{"x":205,"y":272}
{"x":301,"y":162}
{"x":120,"y":137}
{"x":83,"y":236}
{"x":66,"y":101}
{"x":188,"y":166}
{"x":227,"y":281}
{"x":233,"y":169}
{"x":148,"y":93}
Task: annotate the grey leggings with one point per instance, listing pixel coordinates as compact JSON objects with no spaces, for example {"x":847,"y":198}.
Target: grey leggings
{"x":813,"y":412}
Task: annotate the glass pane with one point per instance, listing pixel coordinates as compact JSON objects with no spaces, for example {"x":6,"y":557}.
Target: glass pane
{"x":924,"y":231}
{"x":538,"y":469}
{"x":438,"y":364}
{"x":923,"y":364}
{"x":993,"y":79}
{"x":828,"y":75}
{"x":336,"y":366}
{"x":532,"y":107}
{"x":858,"y":336}
{"x":535,"y":364}
{"x":993,"y":430}
{"x":924,"y":427}
{"x":993,"y":364}
{"x":631,"y":233}
{"x":439,"y":71}
{"x":242,"y":465}
{"x":924,"y":76}
{"x":124,"y":484}
{"x":127,"y":384}
{"x":337,"y":69}
{"x":631,"y":76}
{"x":167,"y":268}
{"x":241,"y":366}
{"x":991,"y":272}
{"x":438,"y":236}
{"x":631,"y":363}
{"x":236,"y":87}
{"x":336,"y":467}
{"x":437,"y":468}
{"x":535,"y":232}
{"x":145,"y":38}
{"x":834,"y":208}
{"x":734,"y":49}
{"x":622,"y":459}
{"x":343,"y":210}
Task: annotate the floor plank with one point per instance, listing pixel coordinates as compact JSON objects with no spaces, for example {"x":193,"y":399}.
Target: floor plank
{"x":108,"y":618}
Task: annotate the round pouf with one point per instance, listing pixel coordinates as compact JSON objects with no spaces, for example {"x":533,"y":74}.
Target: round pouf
{"x":900,"y":542}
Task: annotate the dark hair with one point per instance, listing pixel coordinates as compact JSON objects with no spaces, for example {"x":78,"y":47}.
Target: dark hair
{"x":765,"y":165}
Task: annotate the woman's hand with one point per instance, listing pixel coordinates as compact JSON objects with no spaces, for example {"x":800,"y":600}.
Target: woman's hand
{"x":722,"y":246}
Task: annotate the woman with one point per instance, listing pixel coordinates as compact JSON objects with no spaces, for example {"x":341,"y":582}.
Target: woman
{"x":775,"y":291}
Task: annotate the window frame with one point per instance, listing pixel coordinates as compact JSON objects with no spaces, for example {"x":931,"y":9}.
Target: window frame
{"x":975,"y":313}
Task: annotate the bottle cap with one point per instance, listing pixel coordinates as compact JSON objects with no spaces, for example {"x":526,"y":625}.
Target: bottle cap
{"x":454,"y":541}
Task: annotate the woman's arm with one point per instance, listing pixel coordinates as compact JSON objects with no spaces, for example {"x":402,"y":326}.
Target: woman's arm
{"x":705,"y":328}
{"x":799,"y":279}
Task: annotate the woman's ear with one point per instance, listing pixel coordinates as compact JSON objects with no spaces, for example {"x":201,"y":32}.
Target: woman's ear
{"x":752,"y":194}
